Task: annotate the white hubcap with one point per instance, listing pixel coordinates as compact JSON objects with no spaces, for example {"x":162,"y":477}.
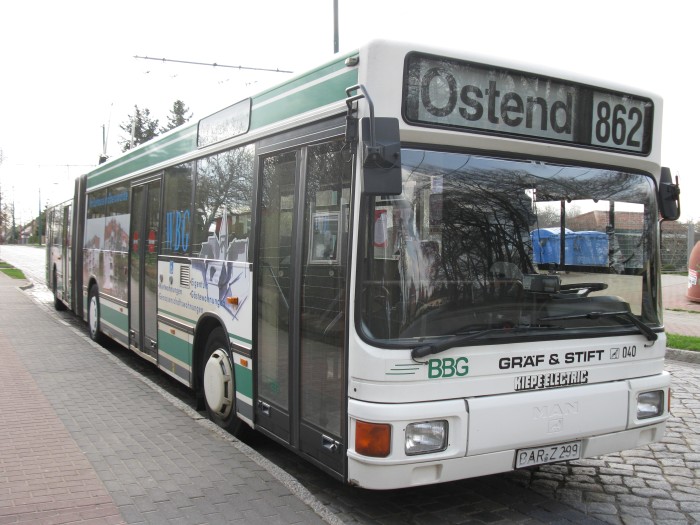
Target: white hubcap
{"x":93,"y":315}
{"x":218,"y":383}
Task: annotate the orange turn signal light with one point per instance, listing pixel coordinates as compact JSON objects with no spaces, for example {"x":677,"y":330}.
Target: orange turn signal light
{"x":232,"y":300}
{"x":372,"y":439}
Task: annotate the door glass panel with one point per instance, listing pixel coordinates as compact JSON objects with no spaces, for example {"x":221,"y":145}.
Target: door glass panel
{"x":275,"y":277}
{"x":135,"y":264}
{"x":151,"y":267}
{"x":67,"y":276}
{"x":324,"y":271}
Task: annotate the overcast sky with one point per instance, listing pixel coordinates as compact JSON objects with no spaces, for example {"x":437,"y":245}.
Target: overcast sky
{"x":67,"y":67}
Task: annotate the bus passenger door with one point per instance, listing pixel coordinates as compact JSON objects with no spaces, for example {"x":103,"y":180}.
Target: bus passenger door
{"x":66,"y":276}
{"x":302,"y":275}
{"x":143,"y":268}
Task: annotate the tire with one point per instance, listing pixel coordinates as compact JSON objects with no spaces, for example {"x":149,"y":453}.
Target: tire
{"x":217,"y":383}
{"x":57,"y":303}
{"x":94,"y":315}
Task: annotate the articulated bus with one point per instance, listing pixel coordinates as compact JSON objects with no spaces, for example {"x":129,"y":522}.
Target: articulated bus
{"x":407,"y":265}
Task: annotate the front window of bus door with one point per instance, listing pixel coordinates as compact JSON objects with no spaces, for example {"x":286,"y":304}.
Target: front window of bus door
{"x":327,"y":204}
{"x":504,"y":248}
{"x":277,"y":210}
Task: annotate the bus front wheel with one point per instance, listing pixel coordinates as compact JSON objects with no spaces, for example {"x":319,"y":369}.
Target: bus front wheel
{"x":218,"y":383}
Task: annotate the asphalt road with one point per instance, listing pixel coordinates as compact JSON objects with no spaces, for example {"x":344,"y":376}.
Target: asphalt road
{"x":659,"y":483}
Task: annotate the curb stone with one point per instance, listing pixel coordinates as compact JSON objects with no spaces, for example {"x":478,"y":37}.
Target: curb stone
{"x":687,"y":356}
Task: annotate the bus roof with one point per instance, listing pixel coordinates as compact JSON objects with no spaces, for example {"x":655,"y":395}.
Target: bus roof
{"x":301,"y":94}
{"x":385,"y":69}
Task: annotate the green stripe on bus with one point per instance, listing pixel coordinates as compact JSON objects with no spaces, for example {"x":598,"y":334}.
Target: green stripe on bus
{"x":242,"y":339}
{"x":191,"y":321}
{"x":290,"y":104}
{"x":114,"y":317}
{"x":311,"y":76}
{"x":175,"y":347}
{"x":244,"y":380}
{"x":150,"y":154}
{"x":312,"y":97}
{"x":176,"y":316}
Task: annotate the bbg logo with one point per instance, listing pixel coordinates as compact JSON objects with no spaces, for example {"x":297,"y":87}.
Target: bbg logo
{"x":448,"y":367}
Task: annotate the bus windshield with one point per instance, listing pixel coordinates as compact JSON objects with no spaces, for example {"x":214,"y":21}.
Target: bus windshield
{"x":482,"y":248}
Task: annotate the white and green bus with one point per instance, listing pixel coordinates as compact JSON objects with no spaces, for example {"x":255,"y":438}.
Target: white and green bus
{"x":408,"y":265}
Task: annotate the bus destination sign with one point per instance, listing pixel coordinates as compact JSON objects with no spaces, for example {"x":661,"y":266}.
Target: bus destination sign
{"x":225,"y":124}
{"x":450,"y":93}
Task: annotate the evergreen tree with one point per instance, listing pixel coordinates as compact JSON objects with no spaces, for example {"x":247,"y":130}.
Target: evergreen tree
{"x":139,"y":127}
{"x":178,"y":116}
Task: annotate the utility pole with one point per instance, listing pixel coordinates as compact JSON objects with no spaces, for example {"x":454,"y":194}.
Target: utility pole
{"x":336,"y":38}
{"x":38,"y":226}
{"x":14,"y":225}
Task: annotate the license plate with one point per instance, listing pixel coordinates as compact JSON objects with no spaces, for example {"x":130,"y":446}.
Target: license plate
{"x":527,"y":457}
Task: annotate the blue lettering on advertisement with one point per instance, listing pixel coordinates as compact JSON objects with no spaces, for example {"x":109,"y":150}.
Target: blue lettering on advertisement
{"x":177,"y":227}
{"x":110,"y":199}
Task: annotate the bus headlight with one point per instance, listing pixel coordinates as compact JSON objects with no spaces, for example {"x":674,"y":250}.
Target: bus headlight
{"x":425,"y":437}
{"x":650,"y":404}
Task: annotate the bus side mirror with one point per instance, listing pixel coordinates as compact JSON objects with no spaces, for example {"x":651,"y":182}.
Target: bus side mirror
{"x":669,"y":196}
{"x":381,"y":156}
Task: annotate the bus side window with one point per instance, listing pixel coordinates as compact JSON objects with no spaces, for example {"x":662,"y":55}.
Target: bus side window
{"x":177,"y":208}
{"x":223,"y":204}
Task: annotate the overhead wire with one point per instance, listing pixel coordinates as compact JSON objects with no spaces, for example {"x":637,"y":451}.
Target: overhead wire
{"x":213,"y":64}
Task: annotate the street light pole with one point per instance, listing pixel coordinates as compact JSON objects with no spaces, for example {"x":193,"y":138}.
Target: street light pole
{"x":38,"y":226}
{"x":14,"y":224}
{"x":336,"y":39}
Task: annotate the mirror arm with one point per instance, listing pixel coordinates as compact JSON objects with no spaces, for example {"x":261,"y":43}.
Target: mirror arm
{"x":353,"y":98}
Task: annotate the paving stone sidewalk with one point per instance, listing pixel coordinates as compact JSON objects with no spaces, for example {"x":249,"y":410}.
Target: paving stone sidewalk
{"x":83,"y":440}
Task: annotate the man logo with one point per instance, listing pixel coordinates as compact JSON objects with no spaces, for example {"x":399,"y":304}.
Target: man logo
{"x":555,"y":425}
{"x":555,"y":411}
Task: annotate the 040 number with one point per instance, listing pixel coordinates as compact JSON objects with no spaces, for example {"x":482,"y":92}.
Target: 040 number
{"x":619,"y":124}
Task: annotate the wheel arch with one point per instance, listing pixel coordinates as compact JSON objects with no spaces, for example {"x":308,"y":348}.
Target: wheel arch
{"x":205,"y":326}
{"x":92,"y":281}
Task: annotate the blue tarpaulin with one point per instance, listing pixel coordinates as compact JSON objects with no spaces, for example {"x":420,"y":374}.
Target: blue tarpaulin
{"x":589,"y":248}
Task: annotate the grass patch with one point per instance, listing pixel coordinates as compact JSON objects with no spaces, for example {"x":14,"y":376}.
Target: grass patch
{"x":10,"y":270}
{"x":683,"y":342}
{"x":15,"y":273}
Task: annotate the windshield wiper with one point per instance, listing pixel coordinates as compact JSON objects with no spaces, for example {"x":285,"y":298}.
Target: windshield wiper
{"x":625,"y":314}
{"x":460,"y":339}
